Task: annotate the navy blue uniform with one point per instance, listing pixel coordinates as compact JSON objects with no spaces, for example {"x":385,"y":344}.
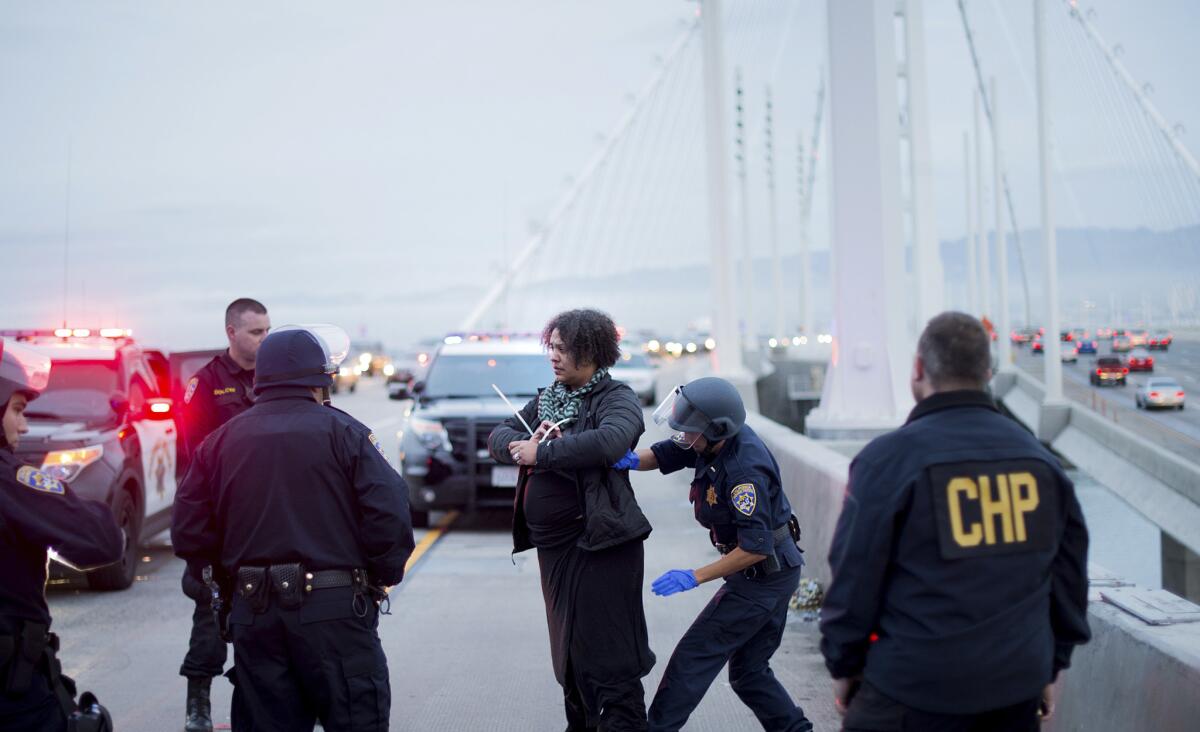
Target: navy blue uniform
{"x":962,"y":546}
{"x":293,"y":481}
{"x":738,"y":496}
{"x":37,"y":512}
{"x":219,"y":391}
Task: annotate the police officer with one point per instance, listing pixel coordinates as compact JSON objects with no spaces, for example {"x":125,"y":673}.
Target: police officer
{"x":738,"y":496}
{"x":293,"y":504}
{"x":959,"y":560}
{"x":222,"y":389}
{"x":37,"y":512}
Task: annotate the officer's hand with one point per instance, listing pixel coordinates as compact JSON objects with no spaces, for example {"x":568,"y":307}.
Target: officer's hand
{"x":843,"y":692}
{"x":1046,"y":709}
{"x":675,"y":580}
{"x":523,"y":452}
{"x":629,"y":462}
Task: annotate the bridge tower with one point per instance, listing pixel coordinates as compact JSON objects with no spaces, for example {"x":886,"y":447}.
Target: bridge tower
{"x":866,"y":390}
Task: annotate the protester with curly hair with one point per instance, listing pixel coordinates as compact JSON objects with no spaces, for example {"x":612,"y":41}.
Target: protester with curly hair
{"x":581,"y":516}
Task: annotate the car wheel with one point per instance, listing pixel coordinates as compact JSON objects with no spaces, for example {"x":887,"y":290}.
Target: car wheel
{"x":1137,"y":403}
{"x":420,"y":519}
{"x":120,"y":574}
{"x":353,"y":387}
{"x":1181,"y":407}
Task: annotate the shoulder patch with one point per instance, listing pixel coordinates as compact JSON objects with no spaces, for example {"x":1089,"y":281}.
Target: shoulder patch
{"x":744,"y":499}
{"x":375,"y":441}
{"x":191,"y":389}
{"x":33,"y":478}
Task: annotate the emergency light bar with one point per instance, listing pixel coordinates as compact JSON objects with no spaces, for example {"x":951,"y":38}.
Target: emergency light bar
{"x":26,"y":333}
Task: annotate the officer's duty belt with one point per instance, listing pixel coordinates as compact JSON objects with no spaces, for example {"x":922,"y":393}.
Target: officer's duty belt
{"x":778,"y":536}
{"x":291,"y":582}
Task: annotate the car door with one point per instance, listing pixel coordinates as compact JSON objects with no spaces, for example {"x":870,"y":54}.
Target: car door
{"x":157,"y":435}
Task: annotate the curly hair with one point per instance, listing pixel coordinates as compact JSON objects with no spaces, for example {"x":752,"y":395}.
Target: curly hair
{"x":590,"y":336}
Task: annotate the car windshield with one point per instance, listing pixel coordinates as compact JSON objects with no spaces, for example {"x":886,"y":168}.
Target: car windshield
{"x":454,"y":376}
{"x":78,"y":390}
{"x":1109,"y":362}
{"x":1163,"y":383}
{"x":633,"y":361}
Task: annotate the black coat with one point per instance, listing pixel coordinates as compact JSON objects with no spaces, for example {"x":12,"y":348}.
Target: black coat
{"x":609,"y":425}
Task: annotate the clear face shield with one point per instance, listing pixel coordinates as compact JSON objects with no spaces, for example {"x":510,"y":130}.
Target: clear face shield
{"x":682,"y":418}
{"x":333,"y":340}
{"x":26,"y":367}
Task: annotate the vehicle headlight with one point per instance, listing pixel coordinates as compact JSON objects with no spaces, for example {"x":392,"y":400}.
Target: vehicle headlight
{"x":344,"y":371}
{"x":388,"y":369}
{"x":430,"y":433}
{"x":65,"y":465}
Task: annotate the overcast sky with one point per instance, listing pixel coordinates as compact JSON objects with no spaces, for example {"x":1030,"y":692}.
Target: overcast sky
{"x":372,"y":163}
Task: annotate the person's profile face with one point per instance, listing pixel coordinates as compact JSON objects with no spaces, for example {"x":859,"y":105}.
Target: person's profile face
{"x":14,"y":419}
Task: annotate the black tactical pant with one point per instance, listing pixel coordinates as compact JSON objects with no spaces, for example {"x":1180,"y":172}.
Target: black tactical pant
{"x":871,"y":711}
{"x":36,"y":710}
{"x":318,"y":662}
{"x":206,"y":653}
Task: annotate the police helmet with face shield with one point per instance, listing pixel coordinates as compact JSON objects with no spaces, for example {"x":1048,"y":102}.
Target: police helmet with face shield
{"x":300,"y":355}
{"x":22,"y":371}
{"x":709,"y":406}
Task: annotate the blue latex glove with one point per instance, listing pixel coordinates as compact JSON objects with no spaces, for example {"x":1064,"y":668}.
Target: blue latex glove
{"x":631,"y":461}
{"x":675,"y":580}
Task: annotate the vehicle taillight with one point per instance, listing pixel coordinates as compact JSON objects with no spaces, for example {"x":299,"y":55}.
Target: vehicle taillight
{"x":1179,"y":393}
{"x":1099,"y":372}
{"x":1124,"y":371}
{"x":1154,"y":395}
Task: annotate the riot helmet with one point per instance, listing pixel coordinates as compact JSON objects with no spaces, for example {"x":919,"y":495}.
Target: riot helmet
{"x":709,"y":406}
{"x":300,"y":355}
{"x":22,"y":371}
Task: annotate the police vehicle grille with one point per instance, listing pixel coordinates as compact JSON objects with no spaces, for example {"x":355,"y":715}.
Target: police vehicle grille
{"x":459,"y":431}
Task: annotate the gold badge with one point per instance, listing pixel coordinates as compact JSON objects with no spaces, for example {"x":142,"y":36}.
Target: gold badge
{"x":711,"y":498}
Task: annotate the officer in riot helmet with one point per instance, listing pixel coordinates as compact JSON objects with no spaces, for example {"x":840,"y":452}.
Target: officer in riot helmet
{"x":959,"y":560}
{"x":39,"y":512}
{"x":737,"y":494}
{"x":302,"y":519}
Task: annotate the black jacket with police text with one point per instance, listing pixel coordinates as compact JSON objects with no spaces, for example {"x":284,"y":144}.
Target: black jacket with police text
{"x":962,"y":545}
{"x":609,"y":425}
{"x":291,"y":480}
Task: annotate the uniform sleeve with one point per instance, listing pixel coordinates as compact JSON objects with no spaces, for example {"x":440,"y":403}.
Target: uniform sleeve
{"x":1068,"y":576}
{"x":79,"y":530}
{"x":195,"y":534}
{"x":199,"y":412}
{"x":511,"y":430}
{"x":620,"y":426}
{"x":672,"y":457}
{"x":749,"y":504}
{"x":858,"y":558}
{"x":382,"y":495}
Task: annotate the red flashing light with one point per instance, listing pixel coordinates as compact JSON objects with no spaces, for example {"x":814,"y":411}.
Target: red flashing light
{"x":160,"y":408}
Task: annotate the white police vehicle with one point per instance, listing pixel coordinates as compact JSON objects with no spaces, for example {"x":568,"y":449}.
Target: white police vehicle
{"x":444,"y":443}
{"x":105,"y":426}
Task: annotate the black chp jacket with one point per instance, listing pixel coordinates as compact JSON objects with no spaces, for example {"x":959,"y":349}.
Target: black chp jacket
{"x":962,"y":548}
{"x":609,"y":425}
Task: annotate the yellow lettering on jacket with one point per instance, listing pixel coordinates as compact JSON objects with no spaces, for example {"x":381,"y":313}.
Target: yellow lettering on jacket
{"x":1014,"y":496}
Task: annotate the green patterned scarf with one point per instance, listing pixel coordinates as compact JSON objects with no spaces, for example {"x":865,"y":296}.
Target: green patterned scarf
{"x":558,"y":403}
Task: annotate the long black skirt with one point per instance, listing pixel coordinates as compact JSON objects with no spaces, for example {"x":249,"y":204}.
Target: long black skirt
{"x":598,"y":637}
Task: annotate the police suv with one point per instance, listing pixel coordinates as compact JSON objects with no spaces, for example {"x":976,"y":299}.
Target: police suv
{"x":444,"y":443}
{"x":105,"y":426}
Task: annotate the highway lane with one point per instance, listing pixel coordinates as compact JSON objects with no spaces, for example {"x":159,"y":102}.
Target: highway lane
{"x":466,"y":641}
{"x":1177,"y":431}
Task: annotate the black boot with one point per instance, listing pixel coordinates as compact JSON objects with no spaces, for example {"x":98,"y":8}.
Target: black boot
{"x":199,"y":708}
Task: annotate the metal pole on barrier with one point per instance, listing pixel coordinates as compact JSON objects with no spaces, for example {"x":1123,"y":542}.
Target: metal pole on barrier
{"x":972,"y":300}
{"x":981,"y":237}
{"x":1051,"y":343}
{"x":1004,"y":320}
{"x":725,"y":312}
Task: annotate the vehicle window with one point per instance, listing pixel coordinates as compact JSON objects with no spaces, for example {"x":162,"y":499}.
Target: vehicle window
{"x":138,"y":393}
{"x":77,"y":390}
{"x":473,"y":376}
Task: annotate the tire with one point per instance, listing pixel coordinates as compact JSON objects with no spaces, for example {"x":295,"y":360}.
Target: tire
{"x":120,"y":574}
{"x":1138,"y":403}
{"x":353,"y":387}
{"x":420,"y":519}
{"x":1181,"y":407}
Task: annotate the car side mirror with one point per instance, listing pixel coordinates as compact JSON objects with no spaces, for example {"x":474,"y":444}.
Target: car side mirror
{"x":418,"y":388}
{"x":118,"y":403}
{"x":159,"y":409}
